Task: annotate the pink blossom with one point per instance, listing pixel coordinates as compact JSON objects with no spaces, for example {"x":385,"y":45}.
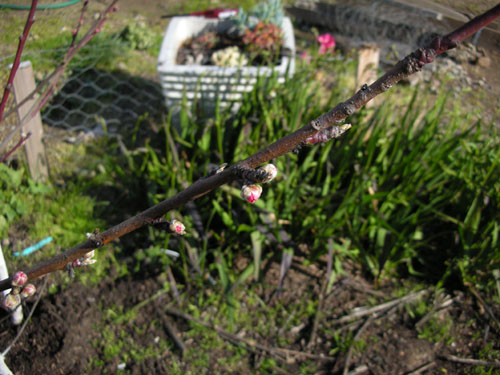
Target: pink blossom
{"x":251,"y":193}
{"x":19,"y":279}
{"x":12,"y":301}
{"x":28,"y":290}
{"x":177,"y":227}
{"x":327,"y":43}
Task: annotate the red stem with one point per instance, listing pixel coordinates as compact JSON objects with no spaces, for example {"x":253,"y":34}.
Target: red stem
{"x":53,"y":79}
{"x":17,"y":58}
{"x":19,"y":144}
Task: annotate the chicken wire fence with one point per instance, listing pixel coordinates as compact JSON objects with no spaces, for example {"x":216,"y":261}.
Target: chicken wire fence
{"x":92,"y":94}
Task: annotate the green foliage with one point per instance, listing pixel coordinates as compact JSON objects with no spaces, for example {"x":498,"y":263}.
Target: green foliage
{"x":400,"y":193}
{"x":268,"y":11}
{"x":138,"y":36}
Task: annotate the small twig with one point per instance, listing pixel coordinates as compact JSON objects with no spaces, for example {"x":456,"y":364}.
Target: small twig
{"x":437,"y":307}
{"x":364,"y":311}
{"x":80,"y":23}
{"x":171,"y":330}
{"x":17,"y":58}
{"x":252,"y":346}
{"x":421,"y":369}
{"x":173,"y":284}
{"x":476,"y":294}
{"x":469,"y":361}
{"x":356,"y":337}
{"x":42,"y":289}
{"x":18,"y":144}
{"x":363,"y":369}
{"x":319,"y":309}
{"x":50,"y":83}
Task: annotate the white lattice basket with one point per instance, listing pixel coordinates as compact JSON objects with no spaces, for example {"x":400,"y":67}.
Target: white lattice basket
{"x":209,"y":83}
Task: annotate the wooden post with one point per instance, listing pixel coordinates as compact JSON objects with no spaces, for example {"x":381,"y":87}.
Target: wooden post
{"x":24,"y":84}
{"x":368,"y":62}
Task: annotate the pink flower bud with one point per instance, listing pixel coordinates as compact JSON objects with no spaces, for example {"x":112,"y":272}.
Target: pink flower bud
{"x":251,"y":193}
{"x":177,"y":227}
{"x":76,"y":263}
{"x":271,"y":171}
{"x":19,"y":279}
{"x":28,"y":291}
{"x":12,"y":301}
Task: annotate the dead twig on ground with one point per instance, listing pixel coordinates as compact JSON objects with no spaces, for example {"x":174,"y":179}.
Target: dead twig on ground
{"x":279,"y":353}
{"x":469,"y":361}
{"x":421,"y":369}
{"x":171,"y":330}
{"x":448,"y":301}
{"x":483,"y":303}
{"x":364,"y":311}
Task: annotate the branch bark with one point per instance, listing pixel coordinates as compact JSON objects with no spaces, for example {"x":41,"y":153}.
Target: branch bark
{"x":409,"y":65}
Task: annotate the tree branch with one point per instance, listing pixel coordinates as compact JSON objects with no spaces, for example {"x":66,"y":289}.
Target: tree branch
{"x":49,"y":84}
{"x":409,"y":65}
{"x":17,"y":59}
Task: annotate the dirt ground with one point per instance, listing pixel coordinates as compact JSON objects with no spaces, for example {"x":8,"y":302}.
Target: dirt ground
{"x":61,"y":337}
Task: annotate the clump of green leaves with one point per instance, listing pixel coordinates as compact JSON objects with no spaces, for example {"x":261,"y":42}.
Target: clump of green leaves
{"x":138,"y":36}
{"x":269,"y":11}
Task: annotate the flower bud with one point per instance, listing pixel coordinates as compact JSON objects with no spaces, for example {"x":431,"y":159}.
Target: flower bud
{"x":89,"y":255}
{"x":28,"y":291}
{"x":12,"y":301}
{"x":19,"y":279}
{"x":251,"y":193}
{"x":177,"y":227}
{"x":271,"y":171}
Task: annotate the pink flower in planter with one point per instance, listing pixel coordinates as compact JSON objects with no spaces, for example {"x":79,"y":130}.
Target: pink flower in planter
{"x":327,"y":43}
{"x":251,"y":193}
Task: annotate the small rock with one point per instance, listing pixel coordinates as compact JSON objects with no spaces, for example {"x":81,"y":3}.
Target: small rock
{"x":484,"y":61}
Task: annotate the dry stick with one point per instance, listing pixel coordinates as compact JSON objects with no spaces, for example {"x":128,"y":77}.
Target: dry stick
{"x":17,"y":145}
{"x":421,"y":369}
{"x":356,"y":337}
{"x":171,"y":330}
{"x":17,"y":58}
{"x":409,"y":65}
{"x":49,"y":84}
{"x":484,"y":304}
{"x":361,"y":312}
{"x":252,"y":346}
{"x":436,"y":308}
{"x":469,"y":361}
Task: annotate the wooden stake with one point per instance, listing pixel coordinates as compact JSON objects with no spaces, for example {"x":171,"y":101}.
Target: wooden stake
{"x":24,"y":84}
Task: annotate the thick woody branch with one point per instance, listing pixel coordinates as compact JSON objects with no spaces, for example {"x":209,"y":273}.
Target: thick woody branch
{"x":409,"y":65}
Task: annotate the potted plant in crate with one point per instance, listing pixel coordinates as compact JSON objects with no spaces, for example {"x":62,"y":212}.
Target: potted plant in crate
{"x":220,"y":59}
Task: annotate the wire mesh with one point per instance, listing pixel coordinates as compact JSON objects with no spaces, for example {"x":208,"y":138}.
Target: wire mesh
{"x":97,"y":89}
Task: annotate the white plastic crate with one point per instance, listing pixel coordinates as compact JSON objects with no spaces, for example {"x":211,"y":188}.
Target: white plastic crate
{"x":209,"y":83}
